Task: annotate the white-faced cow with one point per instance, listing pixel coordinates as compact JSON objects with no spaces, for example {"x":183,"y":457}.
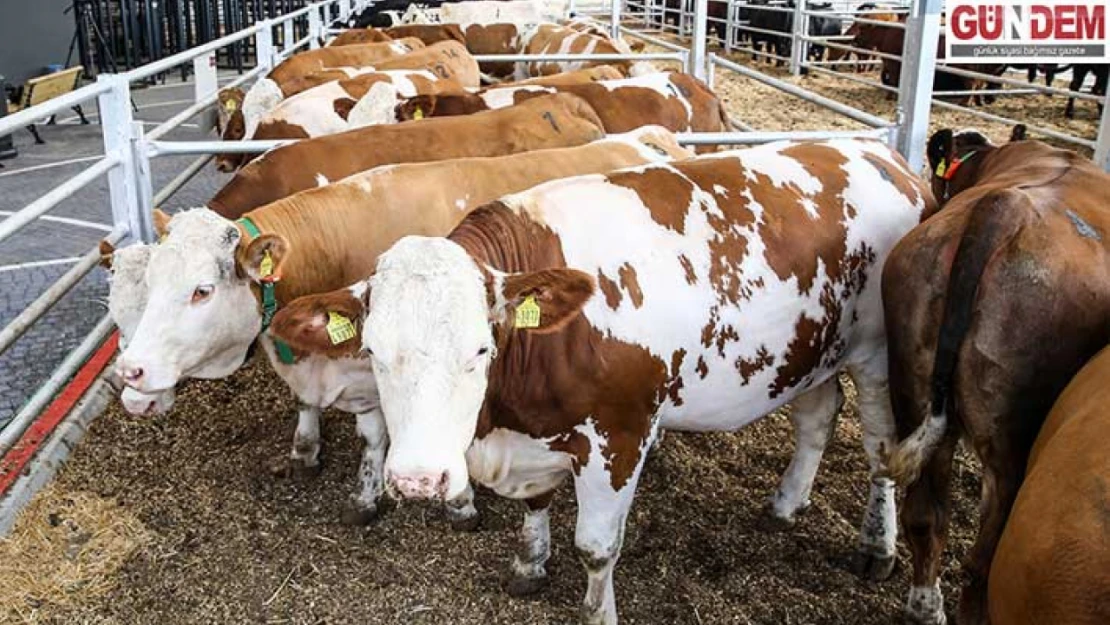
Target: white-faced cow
{"x":212,"y":284}
{"x":726,"y":286}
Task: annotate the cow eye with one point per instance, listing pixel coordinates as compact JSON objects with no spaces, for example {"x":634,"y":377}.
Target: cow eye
{"x":483,"y":351}
{"x":202,"y":292}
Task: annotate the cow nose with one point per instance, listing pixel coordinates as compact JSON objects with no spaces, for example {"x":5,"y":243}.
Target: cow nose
{"x":131,"y":375}
{"x":421,"y":485}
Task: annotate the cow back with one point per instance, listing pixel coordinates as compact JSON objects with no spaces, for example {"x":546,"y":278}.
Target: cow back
{"x":357,"y":55}
{"x":359,"y":35}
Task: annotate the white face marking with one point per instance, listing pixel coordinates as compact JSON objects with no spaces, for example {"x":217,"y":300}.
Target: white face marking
{"x":263,"y":96}
{"x":430,"y":341}
{"x":376,"y":107}
{"x":183,"y":335}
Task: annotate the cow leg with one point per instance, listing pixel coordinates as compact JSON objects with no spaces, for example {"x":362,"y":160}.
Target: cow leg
{"x":1002,"y":476}
{"x":529,"y":575}
{"x":461,"y":512}
{"x":875,"y":557}
{"x":814,"y":418}
{"x":599,"y":532}
{"x":363,"y":507}
{"x":926,"y":511}
{"x":305,"y":455}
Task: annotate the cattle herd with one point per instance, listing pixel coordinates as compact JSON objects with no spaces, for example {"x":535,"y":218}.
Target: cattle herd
{"x":527,"y":282}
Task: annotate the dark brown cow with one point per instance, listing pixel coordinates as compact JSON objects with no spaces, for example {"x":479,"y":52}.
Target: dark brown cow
{"x":359,"y":35}
{"x":991,"y":306}
{"x":676,"y":101}
{"x":560,"y":120}
{"x":494,"y":39}
{"x":1053,"y":561}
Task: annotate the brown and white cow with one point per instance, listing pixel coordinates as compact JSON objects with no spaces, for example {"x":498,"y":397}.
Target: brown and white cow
{"x":359,"y":35}
{"x":205,"y":309}
{"x":556,"y":39}
{"x":494,"y":39}
{"x":574,"y":77}
{"x":559,"y":120}
{"x":553,"y":333}
{"x":992,"y":306}
{"x":341,"y":105}
{"x":428,"y":33}
{"x":1053,"y":560}
{"x":673,"y":100}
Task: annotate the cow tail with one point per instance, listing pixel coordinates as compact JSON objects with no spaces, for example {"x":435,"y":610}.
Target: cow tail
{"x":489,"y":80}
{"x":994,"y":220}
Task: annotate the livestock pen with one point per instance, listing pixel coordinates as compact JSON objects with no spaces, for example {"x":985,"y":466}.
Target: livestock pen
{"x":182,"y":517}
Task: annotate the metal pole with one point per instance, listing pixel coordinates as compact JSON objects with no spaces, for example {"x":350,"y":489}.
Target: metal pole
{"x":615,"y":18}
{"x":287,"y":36}
{"x":1102,"y":145}
{"x":697,"y":45}
{"x":919,"y":58}
{"x":116,"y":124}
{"x":204,"y":69}
{"x":264,"y":45}
{"x":798,"y":44}
{"x":143,"y":228}
{"x":315,"y":28}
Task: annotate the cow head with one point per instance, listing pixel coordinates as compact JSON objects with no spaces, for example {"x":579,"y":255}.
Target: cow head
{"x":230,"y":125}
{"x":435,"y":321}
{"x":955,"y":159}
{"x":126,"y":301}
{"x":201,"y":313}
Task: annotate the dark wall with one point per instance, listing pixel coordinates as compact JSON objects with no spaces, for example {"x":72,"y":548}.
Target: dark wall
{"x":33,"y":34}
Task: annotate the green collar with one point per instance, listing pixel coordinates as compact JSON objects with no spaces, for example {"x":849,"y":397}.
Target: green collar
{"x":269,"y":299}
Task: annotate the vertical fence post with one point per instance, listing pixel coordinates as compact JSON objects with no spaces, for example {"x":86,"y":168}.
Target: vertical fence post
{"x":919,"y":59}
{"x":116,"y":126}
{"x":798,"y":44}
{"x":1102,"y":146}
{"x":204,"y":70}
{"x":287,"y":36}
{"x":144,"y":186}
{"x":697,"y":45}
{"x":345,"y":11}
{"x":615,"y":18}
{"x":264,"y":45}
{"x":315,"y":28}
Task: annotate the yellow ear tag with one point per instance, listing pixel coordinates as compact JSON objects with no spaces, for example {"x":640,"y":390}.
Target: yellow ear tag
{"x":339,"y":328}
{"x":230,"y":106}
{"x":527,"y":314}
{"x":942,"y":167}
{"x":419,"y":114}
{"x":266,"y":267}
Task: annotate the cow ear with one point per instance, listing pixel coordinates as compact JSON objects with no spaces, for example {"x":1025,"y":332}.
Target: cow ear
{"x":940,"y":150}
{"x":262,"y":258}
{"x":329,"y":324}
{"x":161,"y":223}
{"x":544,"y":301}
{"x":1018,"y":133}
{"x":416,"y":107}
{"x":107,"y":252}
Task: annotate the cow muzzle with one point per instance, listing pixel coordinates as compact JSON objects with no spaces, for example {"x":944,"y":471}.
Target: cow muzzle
{"x":425,"y":485}
{"x":146,"y":405}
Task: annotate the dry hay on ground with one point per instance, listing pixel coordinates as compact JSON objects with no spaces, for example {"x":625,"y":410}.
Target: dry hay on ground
{"x":766,"y":108}
{"x":232,"y":543}
{"x":65,"y":549}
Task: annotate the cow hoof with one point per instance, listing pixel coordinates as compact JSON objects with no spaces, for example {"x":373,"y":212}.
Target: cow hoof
{"x":772,"y":523}
{"x":288,"y":468}
{"x":872,"y":567}
{"x":357,"y":514}
{"x":520,"y":586}
{"x":466,"y":524}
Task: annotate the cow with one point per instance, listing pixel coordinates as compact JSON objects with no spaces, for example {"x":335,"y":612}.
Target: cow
{"x":556,"y":39}
{"x":865,"y":36}
{"x":531,"y":344}
{"x":674,"y":100}
{"x":991,"y":307}
{"x":1079,"y":73}
{"x":492,"y":11}
{"x":428,"y":33}
{"x":381,"y":14}
{"x":558,"y":120}
{"x":499,"y":38}
{"x":576,"y":77}
{"x":209,"y":287}
{"x":448,"y":60}
{"x":342,"y":105}
{"x":359,"y":35}
{"x":1052,"y":560}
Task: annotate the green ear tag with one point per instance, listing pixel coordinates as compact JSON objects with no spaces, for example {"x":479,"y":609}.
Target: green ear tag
{"x":266,"y":267}
{"x":942,"y":167}
{"x":340,"y":328}
{"x":527,"y":314}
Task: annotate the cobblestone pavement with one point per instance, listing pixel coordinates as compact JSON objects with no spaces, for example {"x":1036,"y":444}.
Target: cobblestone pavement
{"x":39,"y":254}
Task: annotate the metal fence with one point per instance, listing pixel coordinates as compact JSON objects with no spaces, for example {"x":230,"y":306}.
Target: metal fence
{"x":774,"y":31}
{"x":126,"y":162}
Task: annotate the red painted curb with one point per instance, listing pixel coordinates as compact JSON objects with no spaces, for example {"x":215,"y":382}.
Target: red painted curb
{"x":13,"y":463}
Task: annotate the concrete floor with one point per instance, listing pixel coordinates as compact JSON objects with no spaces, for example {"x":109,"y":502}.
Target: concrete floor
{"x":39,"y":254}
